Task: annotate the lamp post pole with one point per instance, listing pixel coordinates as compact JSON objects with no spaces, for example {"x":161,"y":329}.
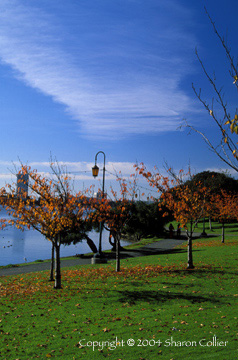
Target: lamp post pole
{"x":95,"y":171}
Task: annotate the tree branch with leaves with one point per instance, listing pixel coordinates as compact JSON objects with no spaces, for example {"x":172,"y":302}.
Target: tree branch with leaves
{"x":187,"y":204}
{"x":51,"y":209}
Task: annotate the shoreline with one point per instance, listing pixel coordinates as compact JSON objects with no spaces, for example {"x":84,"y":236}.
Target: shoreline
{"x":133,"y":245}
{"x":159,"y":247}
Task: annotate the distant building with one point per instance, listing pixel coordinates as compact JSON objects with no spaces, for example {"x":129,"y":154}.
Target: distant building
{"x":22,"y":185}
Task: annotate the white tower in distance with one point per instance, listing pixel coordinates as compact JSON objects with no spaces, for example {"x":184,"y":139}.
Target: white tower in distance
{"x":22,"y":185}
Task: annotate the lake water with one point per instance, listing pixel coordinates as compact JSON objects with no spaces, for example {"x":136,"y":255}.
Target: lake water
{"x":15,"y":245}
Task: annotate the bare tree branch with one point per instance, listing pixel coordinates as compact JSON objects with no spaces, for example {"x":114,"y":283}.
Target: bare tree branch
{"x":226,"y":147}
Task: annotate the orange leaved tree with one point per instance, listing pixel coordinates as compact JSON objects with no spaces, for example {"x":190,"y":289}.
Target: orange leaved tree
{"x":225,"y":208}
{"x":119,"y":215}
{"x":114,"y":212}
{"x":51,"y":209}
{"x":187,"y":204}
{"x":115,"y":221}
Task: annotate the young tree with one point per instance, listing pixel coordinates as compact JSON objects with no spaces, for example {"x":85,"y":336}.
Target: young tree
{"x":115,"y":221}
{"x":113,"y":212}
{"x":227,"y":123}
{"x":216,"y":183}
{"x":187,"y":205}
{"x":225,"y":208}
{"x":51,"y":209}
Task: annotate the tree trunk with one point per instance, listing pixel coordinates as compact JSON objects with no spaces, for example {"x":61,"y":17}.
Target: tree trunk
{"x":100,"y":238}
{"x":52,"y":262}
{"x":91,"y":244}
{"x":117,"y":253}
{"x":190,"y":253}
{"x":203,"y":231}
{"x":112,"y":243}
{"x":223,"y":233}
{"x":138,"y":237}
{"x":190,"y":248}
{"x":191,"y":229}
{"x":57,"y":264}
{"x":210,"y":223}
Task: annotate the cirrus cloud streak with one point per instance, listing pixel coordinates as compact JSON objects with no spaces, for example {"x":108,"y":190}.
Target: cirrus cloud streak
{"x":125,"y":84}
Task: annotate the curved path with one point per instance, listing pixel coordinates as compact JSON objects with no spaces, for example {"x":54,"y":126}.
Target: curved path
{"x":159,"y":247}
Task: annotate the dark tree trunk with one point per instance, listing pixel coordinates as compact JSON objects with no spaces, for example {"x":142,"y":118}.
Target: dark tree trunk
{"x":116,"y":236}
{"x":190,"y":248}
{"x":223,"y":233}
{"x":117,"y":239}
{"x":138,"y":237}
{"x":52,"y":262}
{"x":204,"y":231}
{"x":210,"y":223}
{"x":112,"y":243}
{"x":190,"y":253}
{"x":57,"y":264}
{"x":91,"y":244}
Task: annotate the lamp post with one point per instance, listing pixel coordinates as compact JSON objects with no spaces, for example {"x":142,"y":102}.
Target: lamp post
{"x":95,"y":171}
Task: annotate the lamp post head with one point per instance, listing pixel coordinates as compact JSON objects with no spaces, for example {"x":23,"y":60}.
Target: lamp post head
{"x":95,"y":171}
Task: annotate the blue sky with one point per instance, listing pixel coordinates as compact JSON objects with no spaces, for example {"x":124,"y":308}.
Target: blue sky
{"x":81,"y":76}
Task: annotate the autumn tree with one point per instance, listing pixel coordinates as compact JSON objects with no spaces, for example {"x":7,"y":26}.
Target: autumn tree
{"x":50,"y":209}
{"x":121,"y":210}
{"x":216,"y":182}
{"x":225,"y":119}
{"x":225,"y":208}
{"x":187,"y":205}
{"x":115,"y":222}
{"x":114,"y":212}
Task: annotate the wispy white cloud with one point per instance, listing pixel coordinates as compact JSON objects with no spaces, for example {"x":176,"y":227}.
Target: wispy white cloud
{"x":130,"y":87}
{"x":80,"y":173}
{"x":126,"y":168}
{"x":85,"y":168}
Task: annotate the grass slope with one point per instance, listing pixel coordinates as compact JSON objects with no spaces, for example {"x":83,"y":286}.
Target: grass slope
{"x":169,"y":312}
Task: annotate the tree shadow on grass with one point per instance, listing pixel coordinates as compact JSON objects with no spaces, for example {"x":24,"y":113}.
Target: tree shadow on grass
{"x":205,"y":272}
{"x":158,"y":297}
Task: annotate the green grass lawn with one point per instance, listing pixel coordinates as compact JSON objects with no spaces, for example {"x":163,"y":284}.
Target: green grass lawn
{"x":230,"y":228}
{"x":153,"y":309}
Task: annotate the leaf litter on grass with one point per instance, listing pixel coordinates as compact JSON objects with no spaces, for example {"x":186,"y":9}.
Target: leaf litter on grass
{"x":144,"y":301}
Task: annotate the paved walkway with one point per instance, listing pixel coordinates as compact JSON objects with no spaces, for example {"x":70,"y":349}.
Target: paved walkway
{"x":159,"y":247}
